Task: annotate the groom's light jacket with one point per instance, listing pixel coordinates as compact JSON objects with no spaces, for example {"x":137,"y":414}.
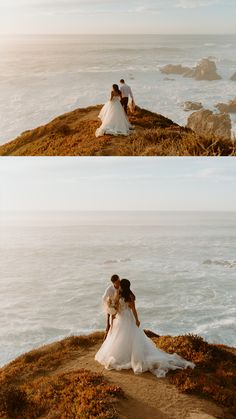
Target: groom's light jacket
{"x":111,"y":294}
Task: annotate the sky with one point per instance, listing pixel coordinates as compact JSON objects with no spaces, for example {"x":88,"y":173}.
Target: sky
{"x":117,"y":184}
{"x":117,"y":16}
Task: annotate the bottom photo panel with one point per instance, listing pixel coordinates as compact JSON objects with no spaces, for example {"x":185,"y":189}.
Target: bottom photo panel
{"x":117,"y":287}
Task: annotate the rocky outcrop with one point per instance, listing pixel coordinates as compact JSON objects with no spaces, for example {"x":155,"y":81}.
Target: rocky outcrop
{"x":205,"y":70}
{"x":205,"y":122}
{"x":192,"y":106}
{"x":227,"y":107}
{"x":233,"y":77}
{"x":174,"y":69}
{"x":168,"y":79}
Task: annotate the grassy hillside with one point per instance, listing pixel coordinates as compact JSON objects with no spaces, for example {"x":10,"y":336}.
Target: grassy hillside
{"x":60,"y":380}
{"x":73,"y":134}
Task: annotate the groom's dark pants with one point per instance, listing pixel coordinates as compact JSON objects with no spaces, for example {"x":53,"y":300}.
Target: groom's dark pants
{"x":124,"y":103}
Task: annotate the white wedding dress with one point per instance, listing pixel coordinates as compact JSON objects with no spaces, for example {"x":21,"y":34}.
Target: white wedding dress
{"x":127,"y":346}
{"x":114,"y":119}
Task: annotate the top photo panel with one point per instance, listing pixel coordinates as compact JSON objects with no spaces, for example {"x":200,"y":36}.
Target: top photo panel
{"x":109,"y":78}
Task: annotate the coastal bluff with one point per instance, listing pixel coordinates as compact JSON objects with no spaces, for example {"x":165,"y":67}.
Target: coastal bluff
{"x":62,"y":380}
{"x":73,"y":134}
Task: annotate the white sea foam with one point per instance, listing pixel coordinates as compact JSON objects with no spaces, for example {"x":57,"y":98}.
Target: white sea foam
{"x":42,"y":76}
{"x":209,"y":44}
{"x":113,"y":261}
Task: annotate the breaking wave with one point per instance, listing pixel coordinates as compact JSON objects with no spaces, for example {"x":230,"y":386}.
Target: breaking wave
{"x":112,"y":261}
{"x":225,"y":263}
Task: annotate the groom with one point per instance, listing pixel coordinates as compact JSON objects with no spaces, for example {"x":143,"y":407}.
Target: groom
{"x":125,"y":93}
{"x":110,"y":295}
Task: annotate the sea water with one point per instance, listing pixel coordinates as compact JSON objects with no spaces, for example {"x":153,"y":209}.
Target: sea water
{"x":43,"y":76}
{"x":56,"y":267}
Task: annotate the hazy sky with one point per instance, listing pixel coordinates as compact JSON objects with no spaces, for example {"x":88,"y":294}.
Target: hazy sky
{"x":117,"y":184}
{"x":117,"y":16}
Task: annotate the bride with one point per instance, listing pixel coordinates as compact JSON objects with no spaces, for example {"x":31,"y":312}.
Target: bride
{"x":113,"y":117}
{"x":126,"y":345}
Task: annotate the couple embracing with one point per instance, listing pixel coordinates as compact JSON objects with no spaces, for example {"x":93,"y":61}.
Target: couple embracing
{"x":126,"y":346}
{"x":114,"y":113}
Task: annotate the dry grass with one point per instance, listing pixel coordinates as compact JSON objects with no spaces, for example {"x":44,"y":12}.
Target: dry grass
{"x":73,"y":134}
{"x":32,"y":386}
{"x":214,"y":376}
{"x":176,"y":142}
{"x":48,"y":358}
{"x":80,"y":394}
{"x":40,"y":384}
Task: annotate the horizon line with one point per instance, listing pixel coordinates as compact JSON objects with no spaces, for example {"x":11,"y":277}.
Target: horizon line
{"x":111,"y":33}
{"x":109,"y":211}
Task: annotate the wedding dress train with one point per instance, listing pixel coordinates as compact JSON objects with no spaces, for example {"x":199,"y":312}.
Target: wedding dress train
{"x":127,"y":346}
{"x":114,"y":119}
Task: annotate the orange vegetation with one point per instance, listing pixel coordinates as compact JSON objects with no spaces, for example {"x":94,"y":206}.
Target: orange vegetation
{"x":73,"y":134}
{"x":44,"y":382}
{"x":80,"y":394}
{"x":30,"y":388}
{"x":214,"y":376}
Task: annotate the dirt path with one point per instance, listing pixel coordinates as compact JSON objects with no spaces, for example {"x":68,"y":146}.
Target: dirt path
{"x":147,"y":396}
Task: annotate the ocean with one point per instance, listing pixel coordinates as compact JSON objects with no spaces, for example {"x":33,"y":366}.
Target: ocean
{"x":55,"y":268}
{"x":44,"y":76}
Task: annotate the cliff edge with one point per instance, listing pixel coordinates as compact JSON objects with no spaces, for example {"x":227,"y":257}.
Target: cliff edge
{"x":62,"y":380}
{"x":73,"y":134}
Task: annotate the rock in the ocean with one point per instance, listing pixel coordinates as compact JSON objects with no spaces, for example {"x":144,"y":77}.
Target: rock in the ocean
{"x":205,"y":122}
{"x":233,"y":77}
{"x":205,"y":70}
{"x":168,"y":79}
{"x":192,"y":106}
{"x":174,"y":69}
{"x":227,"y":107}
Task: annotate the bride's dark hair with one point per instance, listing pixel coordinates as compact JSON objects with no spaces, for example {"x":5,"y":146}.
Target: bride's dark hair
{"x":125,"y":291}
{"x":116,"y":88}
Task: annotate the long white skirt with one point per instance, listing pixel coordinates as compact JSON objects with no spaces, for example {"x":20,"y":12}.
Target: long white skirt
{"x":127,"y":346}
{"x":114,"y":119}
